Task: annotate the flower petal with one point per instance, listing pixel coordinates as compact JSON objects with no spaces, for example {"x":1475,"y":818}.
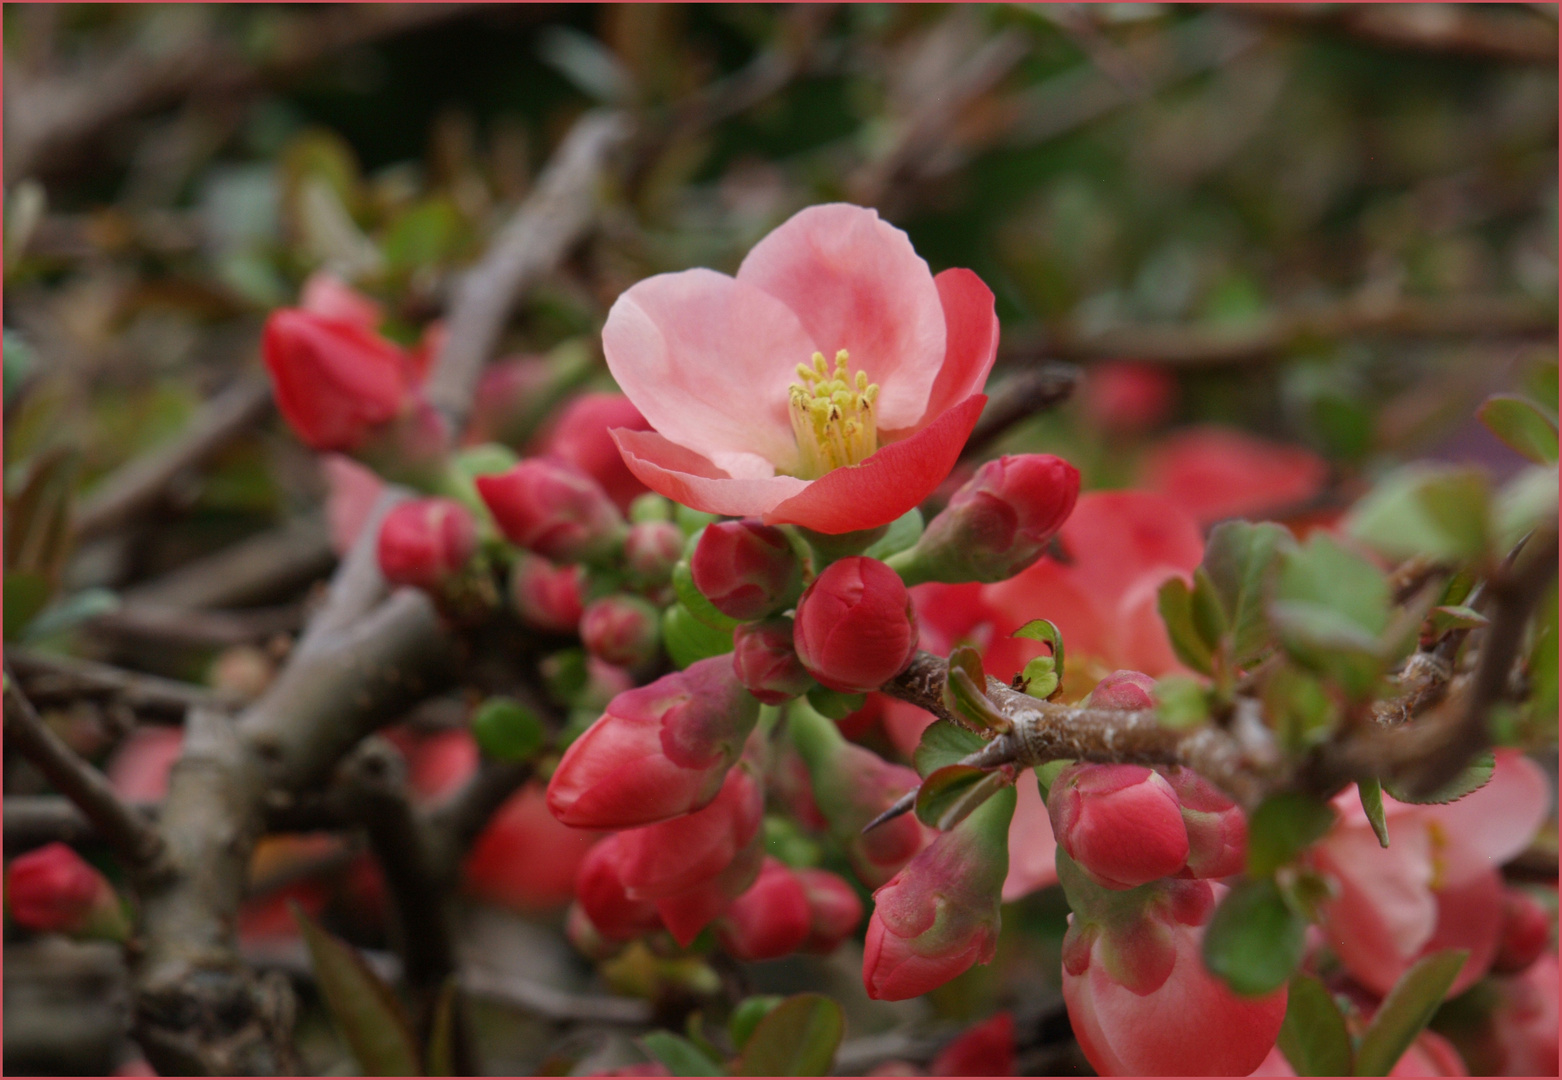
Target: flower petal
{"x":707,"y":360}
{"x":684,"y":476}
{"x":887,"y":484}
{"x":1491,"y":825}
{"x":856,"y":283}
{"x":972,"y":328}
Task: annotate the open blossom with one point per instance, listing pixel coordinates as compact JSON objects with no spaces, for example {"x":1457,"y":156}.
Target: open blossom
{"x":1214,"y":473}
{"x":831,"y":384}
{"x":1436,"y":886}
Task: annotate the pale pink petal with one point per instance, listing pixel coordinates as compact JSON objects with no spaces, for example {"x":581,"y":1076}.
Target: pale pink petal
{"x":1486,"y":828}
{"x":1033,"y":859}
{"x":686,"y":477}
{"x":972,"y":328}
{"x":707,"y":360}
{"x":887,"y":484}
{"x":352,"y":491}
{"x":857,"y":284}
{"x":1385,"y":912}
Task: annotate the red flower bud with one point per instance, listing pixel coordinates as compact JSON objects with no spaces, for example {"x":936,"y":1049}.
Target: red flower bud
{"x":599,"y":887}
{"x":552,"y":509}
{"x":1217,"y":828}
{"x":425,"y":541}
{"x":855,"y":626}
{"x":524,"y":858}
{"x":659,"y":751}
{"x":651,"y":550}
{"x":1124,"y":395}
{"x":580,"y":437}
{"x":327,"y":295}
{"x":622,"y":630}
{"x":335,"y":381}
{"x":771,"y":919}
{"x":54,"y":889}
{"x":685,"y":852}
{"x":545,"y":595}
{"x":986,"y":1049}
{"x":747,"y":570}
{"x":766,"y":663}
{"x":940,"y":914}
{"x":1526,"y":932}
{"x":1121,"y":823}
{"x":1128,"y":690}
{"x":833,"y":910}
{"x":998,"y":523}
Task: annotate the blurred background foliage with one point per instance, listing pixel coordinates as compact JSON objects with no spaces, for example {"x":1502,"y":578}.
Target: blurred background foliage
{"x":1328,"y":224}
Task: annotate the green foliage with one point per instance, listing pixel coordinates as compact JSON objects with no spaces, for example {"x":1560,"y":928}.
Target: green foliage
{"x":365,"y":1009}
{"x":1528,"y":428}
{"x":944,"y":744}
{"x":1313,"y":1036}
{"x":687,"y":639}
{"x":1282,"y":827}
{"x":695,"y":601}
{"x":1471,"y":778}
{"x":1043,"y":675}
{"x":746,"y":1017}
{"x":1443,"y":513}
{"x":681,"y":1056}
{"x":1371,"y":792}
{"x":442,"y":1031}
{"x":1406,"y":1010}
{"x":965,"y":692}
{"x":1254,"y":940}
{"x":1176,"y":607}
{"x":506,"y":730}
{"x":950,"y":793}
{"x":835,"y":704}
{"x":1181,"y":702}
{"x":903,"y":534}
{"x":798,"y":1037}
{"x":1331,"y":611}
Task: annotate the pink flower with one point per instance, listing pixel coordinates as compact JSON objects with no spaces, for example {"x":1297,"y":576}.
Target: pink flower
{"x":659,"y":751}
{"x":140,"y":766}
{"x":335,"y":381}
{"x":423,"y":542}
{"x":1526,"y":931}
{"x":621,"y":630}
{"x":1214,"y":473}
{"x":745,"y":569}
{"x":582,"y":436}
{"x":54,"y":889}
{"x":734,"y":375}
{"x":525,"y":858}
{"x":599,"y":887}
{"x":1033,"y":851}
{"x":985,"y":1049}
{"x":1126,"y":396}
{"x":1123,"y":690}
{"x":651,"y":550}
{"x":1217,"y":828}
{"x":329,"y":296}
{"x":1436,"y":885}
{"x":1139,"y":998}
{"x":855,"y":626}
{"x":1121,"y":823}
{"x":771,"y":919}
{"x":352,"y":492}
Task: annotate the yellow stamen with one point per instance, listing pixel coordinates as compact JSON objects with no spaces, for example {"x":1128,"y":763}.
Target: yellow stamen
{"x":833,"y":416}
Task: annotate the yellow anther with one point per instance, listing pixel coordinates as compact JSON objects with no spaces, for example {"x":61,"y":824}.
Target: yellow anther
{"x":832,"y":415}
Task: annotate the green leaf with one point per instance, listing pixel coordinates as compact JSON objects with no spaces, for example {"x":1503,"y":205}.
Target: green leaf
{"x":1282,"y":827}
{"x":1176,"y":607}
{"x":698,"y":604}
{"x":371,"y":1019}
{"x":441,"y":1036}
{"x":1471,"y":778}
{"x":834,"y":704}
{"x":1239,"y":559}
{"x":1443,"y":513}
{"x":1046,"y":775}
{"x":1254,"y":940}
{"x":1456,"y":617}
{"x":1181,"y":702}
{"x":949,"y":794}
{"x":1302,"y":711}
{"x":506,"y":730}
{"x":70,"y":611}
{"x":38,"y":530}
{"x":904,"y":532}
{"x":965,"y":691}
{"x":1209,"y":619}
{"x":799,"y":1037}
{"x":687,"y":639}
{"x":425,"y":235}
{"x":1043,"y":674}
{"x":1313,"y":1036}
{"x":1407,"y":1009}
{"x":943,"y":744}
{"x":1526,"y":502}
{"x":1331,"y":608}
{"x":681,"y":1056}
{"x":1523,"y":425}
{"x":748,"y":1014}
{"x":1371,"y":792}
{"x":25,"y":596}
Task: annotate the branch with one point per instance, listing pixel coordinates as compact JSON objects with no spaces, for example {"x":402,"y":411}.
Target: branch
{"x":559,"y":1006}
{"x":45,"y":677}
{"x":259,"y":568}
{"x":1437,"y":28}
{"x":1017,"y":399}
{"x":456,"y":822}
{"x":129,"y":833}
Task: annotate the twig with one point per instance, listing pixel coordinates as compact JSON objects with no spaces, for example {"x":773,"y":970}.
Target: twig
{"x":199,"y":629}
{"x":765,"y":75}
{"x":138,"y":485}
{"x":549,"y":1003}
{"x":1438,"y":28}
{"x":554,"y":216}
{"x":132,"y":837}
{"x":64,"y":678}
{"x":261,"y":567}
{"x":34,"y":820}
{"x":1017,"y":399}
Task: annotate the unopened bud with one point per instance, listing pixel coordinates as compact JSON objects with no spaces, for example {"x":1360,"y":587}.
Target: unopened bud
{"x":746,"y":569}
{"x":600,"y":891}
{"x":546,"y":596}
{"x":53,"y":889}
{"x":581,"y":436}
{"x":335,"y":380}
{"x":769,"y":920}
{"x":1121,"y":823}
{"x":855,"y":627}
{"x":1526,"y":932}
{"x":651,"y":550}
{"x":553,"y":509}
{"x":622,"y":630}
{"x":833,"y":910}
{"x":1128,"y":690}
{"x":425,"y":542}
{"x":766,"y":662}
{"x":1217,"y":828}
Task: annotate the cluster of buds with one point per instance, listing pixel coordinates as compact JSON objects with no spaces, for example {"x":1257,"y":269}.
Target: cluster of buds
{"x":55,"y":890}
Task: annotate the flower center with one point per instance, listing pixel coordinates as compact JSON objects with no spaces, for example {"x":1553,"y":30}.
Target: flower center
{"x":832,"y":416}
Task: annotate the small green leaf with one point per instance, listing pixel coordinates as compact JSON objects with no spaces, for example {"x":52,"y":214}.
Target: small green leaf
{"x":1331,"y":608}
{"x":1282,"y":827}
{"x":1043,"y":675}
{"x":1239,"y":559}
{"x":965,"y":691}
{"x":943,"y":744}
{"x":1440,"y":512}
{"x":1371,"y":792}
{"x":904,"y":531}
{"x":506,"y":730}
{"x":1456,"y":617}
{"x":698,"y":604}
{"x":1471,"y":778}
{"x":1254,"y":940}
{"x":1313,"y":1036}
{"x":424,"y":235}
{"x":1523,"y":425}
{"x":799,"y":1037}
{"x":748,"y":1014}
{"x":1176,"y":607}
{"x":441,"y":1036}
{"x":370,"y":1017}
{"x":687,"y":639}
{"x":1046,"y":775}
{"x":1526,"y":502}
{"x":949,"y":794}
{"x":1407,"y":1009}
{"x":833,"y":703}
{"x":681,"y":1056}
{"x":1209,"y":618}
{"x":1181,"y":702}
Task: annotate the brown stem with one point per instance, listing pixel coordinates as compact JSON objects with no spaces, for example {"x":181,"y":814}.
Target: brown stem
{"x":1017,"y":399}
{"x":262,"y":567}
{"x":457,"y":822}
{"x":46,"y":677}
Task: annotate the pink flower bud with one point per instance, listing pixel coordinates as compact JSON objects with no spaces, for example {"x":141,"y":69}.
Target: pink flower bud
{"x":622,"y":630}
{"x":599,"y":887}
{"x":999,"y":522}
{"x":984,"y":1050}
{"x":855,"y":626}
{"x":685,"y":852}
{"x":747,"y":570}
{"x":1139,"y":998}
{"x":55,"y":890}
{"x":771,"y":919}
{"x":425,"y":541}
{"x":580,"y":437}
{"x":525,"y":858}
{"x":1122,"y":395}
{"x":506,"y":403}
{"x":1217,"y":828}
{"x":833,"y":910}
{"x":766,"y":663}
{"x":1127,"y":690}
{"x":659,"y":751}
{"x":330,"y":297}
{"x":651,"y":550}
{"x":1526,"y":932}
{"x":546,"y":595}
{"x":552,"y":509}
{"x":335,"y":381}
{"x":1121,"y":823}
{"x":940,"y":915}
